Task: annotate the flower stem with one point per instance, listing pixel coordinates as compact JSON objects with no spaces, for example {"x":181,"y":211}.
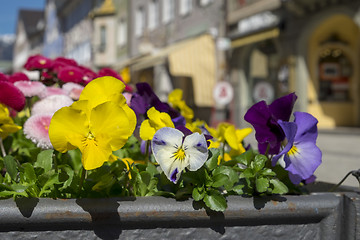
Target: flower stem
{"x":83,"y":174}
{"x":2,"y":148}
{"x":147,"y":152}
{"x":355,"y":173}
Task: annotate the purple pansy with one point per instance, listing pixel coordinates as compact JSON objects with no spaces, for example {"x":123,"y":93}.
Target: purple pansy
{"x":145,"y":98}
{"x":264,"y":119}
{"x":301,"y":155}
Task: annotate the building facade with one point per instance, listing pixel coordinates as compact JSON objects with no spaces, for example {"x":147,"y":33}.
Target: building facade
{"x":172,"y":44}
{"x":307,"y":47}
{"x":29,"y":36}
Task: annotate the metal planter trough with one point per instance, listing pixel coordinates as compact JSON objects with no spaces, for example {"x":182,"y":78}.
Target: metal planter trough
{"x":314,"y":216}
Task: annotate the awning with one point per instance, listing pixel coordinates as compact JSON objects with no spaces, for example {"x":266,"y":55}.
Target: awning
{"x":273,"y":33}
{"x":196,"y":59}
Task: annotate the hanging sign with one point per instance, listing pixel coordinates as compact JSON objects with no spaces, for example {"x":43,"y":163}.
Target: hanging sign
{"x":223,"y":93}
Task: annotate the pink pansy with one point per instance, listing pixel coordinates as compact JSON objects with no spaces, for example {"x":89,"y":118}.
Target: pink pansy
{"x":30,"y":88}
{"x":36,"y":128}
{"x":73,"y":90}
{"x":18,"y":76}
{"x":38,"y":62}
{"x":52,"y":91}
{"x":11,"y":96}
{"x":70,"y":74}
{"x":51,"y":104}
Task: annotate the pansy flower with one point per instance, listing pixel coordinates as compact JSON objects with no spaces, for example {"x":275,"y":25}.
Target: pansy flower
{"x":176,"y":101}
{"x":11,"y":96}
{"x":156,"y":121}
{"x":7,"y":125}
{"x":36,"y":128}
{"x":30,"y":88}
{"x":264,"y":118}
{"x":145,"y":98}
{"x":98,"y":124}
{"x":301,"y":155}
{"x":109,"y":72}
{"x":174,"y":152}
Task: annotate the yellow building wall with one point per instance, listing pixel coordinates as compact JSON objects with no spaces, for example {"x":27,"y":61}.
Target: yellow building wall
{"x":332,"y":114}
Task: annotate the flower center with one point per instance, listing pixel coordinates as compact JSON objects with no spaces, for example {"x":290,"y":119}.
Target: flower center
{"x":293,"y":150}
{"x":90,"y":139}
{"x":179,"y":154}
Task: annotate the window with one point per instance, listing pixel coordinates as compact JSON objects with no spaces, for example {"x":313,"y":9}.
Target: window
{"x":122,"y":33}
{"x":139,"y":22}
{"x":168,"y":10}
{"x":204,"y":3}
{"x":153,"y":14}
{"x":102,"y":39}
{"x":185,"y":7}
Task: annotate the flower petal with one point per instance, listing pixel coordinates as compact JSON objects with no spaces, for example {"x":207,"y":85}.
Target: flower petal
{"x":103,"y":89}
{"x":289,"y":129}
{"x":282,"y":107}
{"x":95,"y":153}
{"x":196,"y":150}
{"x":305,"y":160}
{"x":146,"y":130}
{"x":111,"y":121}
{"x":164,"y":144}
{"x":68,"y":127}
{"x":307,"y":127}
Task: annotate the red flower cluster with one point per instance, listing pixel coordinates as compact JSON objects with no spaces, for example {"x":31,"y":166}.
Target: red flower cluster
{"x":64,"y":70}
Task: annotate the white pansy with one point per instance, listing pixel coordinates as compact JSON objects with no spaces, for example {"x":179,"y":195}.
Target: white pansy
{"x":174,"y":152}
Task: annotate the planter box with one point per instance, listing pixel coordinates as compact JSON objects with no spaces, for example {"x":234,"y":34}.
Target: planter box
{"x":315,"y":216}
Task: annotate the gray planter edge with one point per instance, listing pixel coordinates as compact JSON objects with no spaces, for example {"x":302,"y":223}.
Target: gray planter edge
{"x":334,"y":215}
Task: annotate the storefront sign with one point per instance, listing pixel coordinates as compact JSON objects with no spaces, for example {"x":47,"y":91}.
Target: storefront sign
{"x":223,"y":93}
{"x":263,"y":91}
{"x":257,"y":21}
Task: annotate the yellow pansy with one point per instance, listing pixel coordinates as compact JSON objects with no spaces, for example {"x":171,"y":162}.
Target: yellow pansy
{"x":96,"y":124}
{"x":156,"y":121}
{"x":175,"y":99}
{"x":7,"y":125}
{"x":235,"y":138}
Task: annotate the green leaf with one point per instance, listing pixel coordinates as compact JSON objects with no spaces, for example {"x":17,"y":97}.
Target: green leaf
{"x":247,"y":173}
{"x":228,"y":171}
{"x":105,"y":182}
{"x":238,"y":189}
{"x":45,"y":160}
{"x":220,"y":180}
{"x":29,"y":172}
{"x":215,"y":201}
{"x":49,"y":184}
{"x":198,"y":194}
{"x":259,"y":162}
{"x":268,"y":172}
{"x":279,"y":187}
{"x":10,"y":165}
{"x":245,"y":158}
{"x":212,"y":162}
{"x":262,"y":184}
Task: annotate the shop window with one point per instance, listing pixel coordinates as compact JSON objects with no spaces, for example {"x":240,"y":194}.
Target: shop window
{"x":102,"y":46}
{"x":334,"y":70}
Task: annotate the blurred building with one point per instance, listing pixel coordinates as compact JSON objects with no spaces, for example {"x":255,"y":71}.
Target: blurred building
{"x":172,"y":44}
{"x":311,"y":47}
{"x":29,"y":36}
{"x":53,"y":36}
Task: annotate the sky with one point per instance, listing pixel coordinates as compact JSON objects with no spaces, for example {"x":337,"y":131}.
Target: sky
{"x":9,"y":13}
